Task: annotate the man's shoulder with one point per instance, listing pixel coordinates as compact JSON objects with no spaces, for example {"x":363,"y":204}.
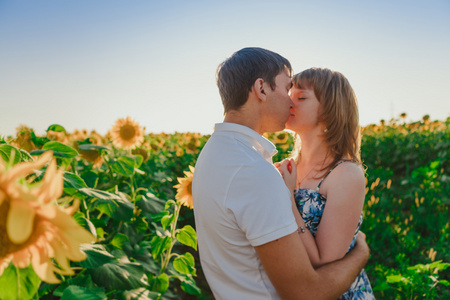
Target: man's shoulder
{"x":226,"y":145}
{"x":235,"y":161}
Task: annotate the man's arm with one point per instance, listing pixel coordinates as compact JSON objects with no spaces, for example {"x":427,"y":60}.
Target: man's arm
{"x":287,"y":264}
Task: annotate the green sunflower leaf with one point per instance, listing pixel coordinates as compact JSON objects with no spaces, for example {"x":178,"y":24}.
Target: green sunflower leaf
{"x":120,"y":276}
{"x":187,"y":236}
{"x":96,"y":256}
{"x":18,"y":283}
{"x":159,"y":245}
{"x":74,"y":292}
{"x":123,"y":165}
{"x":160,"y":283}
{"x":185,"y":264}
{"x":56,"y":127}
{"x":7,"y":152}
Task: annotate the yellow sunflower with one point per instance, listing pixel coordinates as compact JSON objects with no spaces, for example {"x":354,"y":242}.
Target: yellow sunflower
{"x":77,"y":135}
{"x":281,"y":137}
{"x":179,"y":151}
{"x":127,"y":134}
{"x":96,"y":138}
{"x":24,"y":141}
{"x":58,"y":136}
{"x":93,"y":156}
{"x":191,"y":147}
{"x":184,"y":189}
{"x":23,"y":127}
{"x":33,"y":227}
{"x":142,"y":152}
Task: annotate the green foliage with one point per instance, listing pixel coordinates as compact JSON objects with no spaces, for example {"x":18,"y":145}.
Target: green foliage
{"x":146,"y":242}
{"x":415,"y":282}
{"x":18,"y":283}
{"x":406,"y":216}
{"x":127,"y":204}
{"x":8,"y":153}
{"x":56,"y":128}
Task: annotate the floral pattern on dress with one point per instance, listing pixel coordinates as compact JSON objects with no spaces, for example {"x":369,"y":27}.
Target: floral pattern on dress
{"x":311,"y":204}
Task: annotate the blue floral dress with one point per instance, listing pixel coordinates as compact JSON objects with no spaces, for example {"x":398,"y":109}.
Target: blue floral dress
{"x":311,"y":205}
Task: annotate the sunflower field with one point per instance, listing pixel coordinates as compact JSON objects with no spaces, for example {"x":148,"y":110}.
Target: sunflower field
{"x":87,"y":216}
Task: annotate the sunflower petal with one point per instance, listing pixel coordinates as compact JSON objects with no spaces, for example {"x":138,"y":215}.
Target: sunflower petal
{"x":68,"y":231}
{"x":4,"y":263}
{"x":25,"y":168}
{"x":61,"y":258}
{"x":42,"y":265}
{"x":19,"y":222}
{"x":52,"y":184}
{"x":73,"y":208}
{"x":21,"y":259}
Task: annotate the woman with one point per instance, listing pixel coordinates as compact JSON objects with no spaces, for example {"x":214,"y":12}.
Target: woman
{"x":330,"y":187}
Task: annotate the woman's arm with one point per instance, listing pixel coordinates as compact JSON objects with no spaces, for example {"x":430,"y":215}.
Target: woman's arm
{"x":288,"y":170}
{"x":290,"y":271}
{"x":345,"y":191}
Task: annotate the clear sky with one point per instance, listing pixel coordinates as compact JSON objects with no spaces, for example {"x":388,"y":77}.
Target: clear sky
{"x":85,"y":63}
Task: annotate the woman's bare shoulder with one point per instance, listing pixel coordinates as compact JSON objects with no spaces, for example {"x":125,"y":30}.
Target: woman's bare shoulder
{"x":346,"y":175}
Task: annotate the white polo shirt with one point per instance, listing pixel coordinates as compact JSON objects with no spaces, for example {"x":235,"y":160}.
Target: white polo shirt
{"x":240,"y":201}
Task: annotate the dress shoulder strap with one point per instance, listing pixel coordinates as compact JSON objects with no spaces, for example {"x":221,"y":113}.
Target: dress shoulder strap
{"x":342,"y":161}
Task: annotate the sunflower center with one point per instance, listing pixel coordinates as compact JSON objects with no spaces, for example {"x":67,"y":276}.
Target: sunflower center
{"x":189,"y":188}
{"x":141,"y":152}
{"x":90,"y":155}
{"x":7,"y":245}
{"x":127,"y":132}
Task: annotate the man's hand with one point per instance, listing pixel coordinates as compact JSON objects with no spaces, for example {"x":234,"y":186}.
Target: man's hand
{"x":361,"y":245}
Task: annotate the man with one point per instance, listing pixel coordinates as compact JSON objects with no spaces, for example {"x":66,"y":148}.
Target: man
{"x":248,"y":239}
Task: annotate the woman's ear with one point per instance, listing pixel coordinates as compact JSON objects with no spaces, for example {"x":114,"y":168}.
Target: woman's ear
{"x":258,"y":89}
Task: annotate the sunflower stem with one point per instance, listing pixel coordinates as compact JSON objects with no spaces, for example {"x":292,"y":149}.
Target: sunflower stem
{"x":173,"y":228}
{"x":110,"y":173}
{"x":110,"y":292}
{"x":83,"y":270}
{"x":133,"y":193}
{"x":73,"y":165}
{"x":140,"y":189}
{"x":86,"y":208}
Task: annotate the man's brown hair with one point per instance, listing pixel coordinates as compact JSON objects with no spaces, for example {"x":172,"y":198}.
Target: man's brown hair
{"x":237,"y":74}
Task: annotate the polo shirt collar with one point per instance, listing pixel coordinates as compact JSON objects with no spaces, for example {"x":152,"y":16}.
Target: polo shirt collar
{"x":263,"y":145}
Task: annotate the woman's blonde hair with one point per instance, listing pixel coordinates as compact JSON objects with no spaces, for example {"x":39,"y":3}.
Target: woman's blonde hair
{"x":338,"y":112}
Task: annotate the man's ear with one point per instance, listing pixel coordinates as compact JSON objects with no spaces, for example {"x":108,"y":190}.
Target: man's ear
{"x":258,"y":89}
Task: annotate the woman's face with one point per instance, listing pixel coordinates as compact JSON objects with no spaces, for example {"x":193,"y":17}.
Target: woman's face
{"x":305,"y":112}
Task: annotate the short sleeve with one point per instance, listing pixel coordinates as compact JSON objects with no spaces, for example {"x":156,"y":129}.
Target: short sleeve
{"x":260,"y":202}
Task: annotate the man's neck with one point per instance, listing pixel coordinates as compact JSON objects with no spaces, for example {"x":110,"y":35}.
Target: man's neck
{"x":245,"y":118}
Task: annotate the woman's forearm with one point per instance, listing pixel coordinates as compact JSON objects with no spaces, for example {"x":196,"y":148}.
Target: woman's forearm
{"x":308,"y":239}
